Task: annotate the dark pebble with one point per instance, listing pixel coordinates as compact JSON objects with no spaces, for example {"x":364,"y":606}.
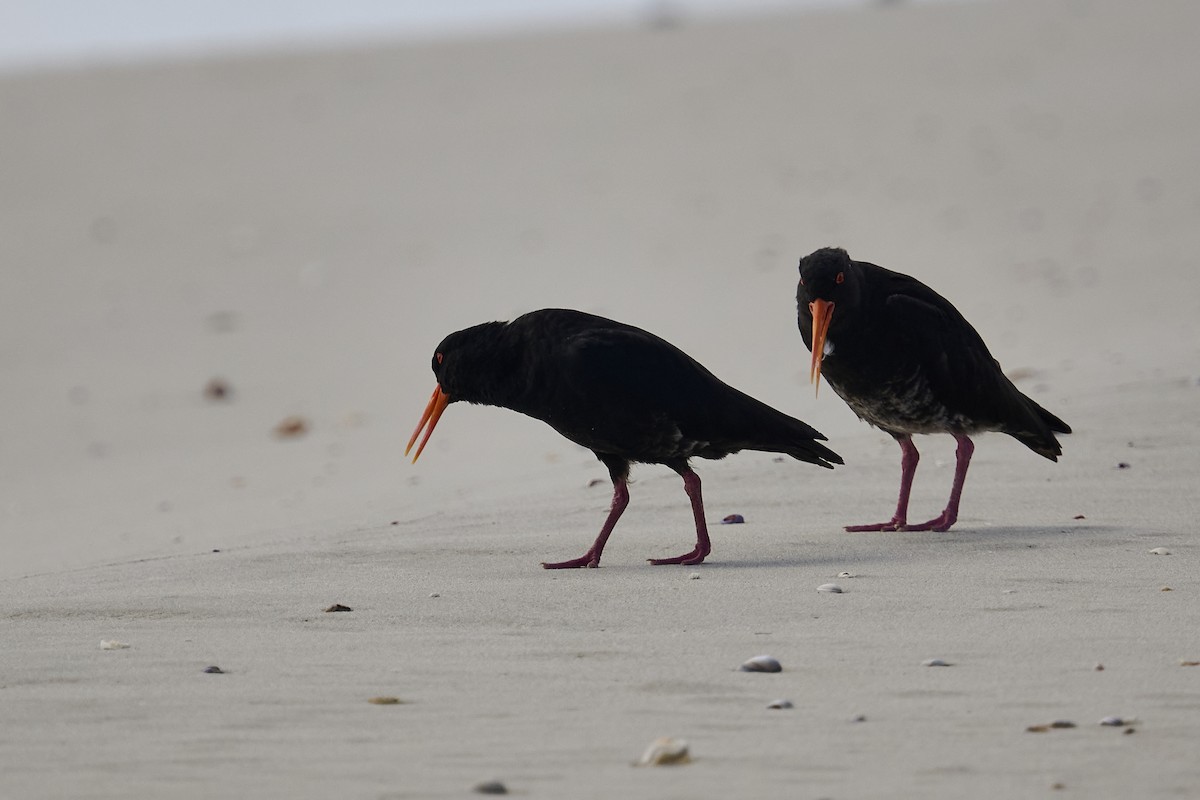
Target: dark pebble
{"x":1123,"y":465}
{"x":214,"y":670}
{"x":733,"y":519}
{"x":490,"y":787}
{"x":338,"y":607}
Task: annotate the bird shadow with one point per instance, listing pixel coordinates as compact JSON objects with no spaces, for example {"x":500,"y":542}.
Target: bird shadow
{"x":1015,"y":537}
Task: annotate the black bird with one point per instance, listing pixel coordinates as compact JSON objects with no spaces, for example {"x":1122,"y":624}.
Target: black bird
{"x":621,"y":392}
{"x":907,"y":362}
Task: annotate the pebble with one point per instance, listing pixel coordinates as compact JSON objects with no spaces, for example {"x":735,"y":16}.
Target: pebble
{"x":384,"y":701}
{"x":490,"y":787}
{"x":1160,"y":551}
{"x":1189,"y":663}
{"x":1062,"y":723}
{"x":762,"y":664}
{"x":934,"y":662}
{"x":338,"y":607}
{"x":780,"y":704}
{"x":829,"y":588}
{"x":695,"y":576}
{"x":733,"y":519}
{"x":859,"y":718}
{"x":434,"y":594}
{"x":1123,"y":465}
{"x":1099,"y":668}
{"x":665,"y":751}
{"x":291,"y":427}
{"x":214,"y":670}
{"x":112,"y":644}
{"x":846,"y":575}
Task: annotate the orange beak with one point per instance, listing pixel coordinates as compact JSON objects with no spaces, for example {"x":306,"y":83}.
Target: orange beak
{"x":433,"y":412}
{"x":822,"y":314}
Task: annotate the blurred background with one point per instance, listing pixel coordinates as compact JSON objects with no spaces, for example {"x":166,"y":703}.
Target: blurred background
{"x":231,"y":234}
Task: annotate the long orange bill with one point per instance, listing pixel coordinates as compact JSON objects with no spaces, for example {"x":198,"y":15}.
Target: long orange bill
{"x":822,"y":314}
{"x":433,"y":412}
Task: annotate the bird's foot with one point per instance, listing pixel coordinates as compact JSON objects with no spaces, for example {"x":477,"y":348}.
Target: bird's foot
{"x":694,"y":557}
{"x":588,"y":560}
{"x":894,"y":524}
{"x":942,"y":522}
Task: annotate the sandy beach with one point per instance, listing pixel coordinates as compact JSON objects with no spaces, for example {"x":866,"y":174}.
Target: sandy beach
{"x":303,"y":228}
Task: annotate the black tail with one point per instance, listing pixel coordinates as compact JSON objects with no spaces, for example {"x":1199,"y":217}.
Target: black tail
{"x":1038,"y":432}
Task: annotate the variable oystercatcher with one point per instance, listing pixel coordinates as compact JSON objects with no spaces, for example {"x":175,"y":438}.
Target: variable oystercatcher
{"x":621,"y":392}
{"x":907,"y":362}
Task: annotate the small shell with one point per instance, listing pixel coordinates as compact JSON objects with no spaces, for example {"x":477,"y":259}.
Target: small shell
{"x":733,"y":519}
{"x":1160,"y":551}
{"x":338,"y":607}
{"x":490,"y":787}
{"x":1117,"y":722}
{"x":665,"y":751}
{"x":214,"y":670}
{"x":762,"y":664}
{"x":112,"y":644}
{"x":695,"y":576}
{"x":1186,"y":663}
{"x":385,"y":701}
{"x":1099,"y":668}
{"x":846,"y":575}
{"x":829,"y":588}
{"x":859,"y":718}
{"x":934,"y":662}
{"x":776,"y":704}
{"x":1062,"y":723}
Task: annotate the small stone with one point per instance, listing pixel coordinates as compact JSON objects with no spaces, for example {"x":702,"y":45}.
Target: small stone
{"x":695,"y":576}
{"x":665,"y":751}
{"x":1189,"y":663}
{"x":594,"y":482}
{"x":338,"y":607}
{"x":1123,"y":465}
{"x":829,"y":588}
{"x":1079,"y":516}
{"x":1166,"y":589}
{"x":214,"y":670}
{"x":733,"y":519}
{"x":934,"y":662}
{"x":1160,"y":551}
{"x":778,"y":704}
{"x":859,"y":718}
{"x":1128,"y":731}
{"x":384,"y":701}
{"x":291,"y":427}
{"x":112,"y":644}
{"x":1099,"y":668}
{"x":490,"y":787}
{"x":1037,"y":728}
{"x":1062,"y":723}
{"x":1116,"y":722}
{"x":434,"y":594}
{"x":217,"y":389}
{"x":761,"y":664}
{"x":846,"y":575}
{"x":1058,"y":786}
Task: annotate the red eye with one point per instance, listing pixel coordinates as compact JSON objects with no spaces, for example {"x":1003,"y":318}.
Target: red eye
{"x":802,"y":281}
{"x":439,"y":356}
{"x":841,"y":278}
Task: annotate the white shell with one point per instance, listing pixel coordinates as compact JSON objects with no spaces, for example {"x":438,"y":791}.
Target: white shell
{"x":112,"y":644}
{"x":665,"y":751}
{"x":829,"y":588}
{"x":762,"y":664}
{"x":934,"y":662}
{"x":1160,"y":551}
{"x":780,"y":704}
{"x":1117,"y":722}
{"x":846,"y":575}
{"x":695,"y":576}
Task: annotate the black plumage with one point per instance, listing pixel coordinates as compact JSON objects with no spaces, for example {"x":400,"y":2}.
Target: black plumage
{"x":906,"y":361}
{"x":619,"y":391}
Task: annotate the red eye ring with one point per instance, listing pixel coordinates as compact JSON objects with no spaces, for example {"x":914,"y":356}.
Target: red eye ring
{"x":841,"y":278}
{"x":439,"y":357}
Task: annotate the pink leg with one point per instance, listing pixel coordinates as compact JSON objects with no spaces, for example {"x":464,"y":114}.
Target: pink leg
{"x":592,"y":557}
{"x":949,"y":516}
{"x":908,"y":468}
{"x":691,"y":485}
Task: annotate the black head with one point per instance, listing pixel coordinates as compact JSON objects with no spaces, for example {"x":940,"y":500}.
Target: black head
{"x":827,"y":281}
{"x":462,"y":364}
{"x":826,"y":274}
